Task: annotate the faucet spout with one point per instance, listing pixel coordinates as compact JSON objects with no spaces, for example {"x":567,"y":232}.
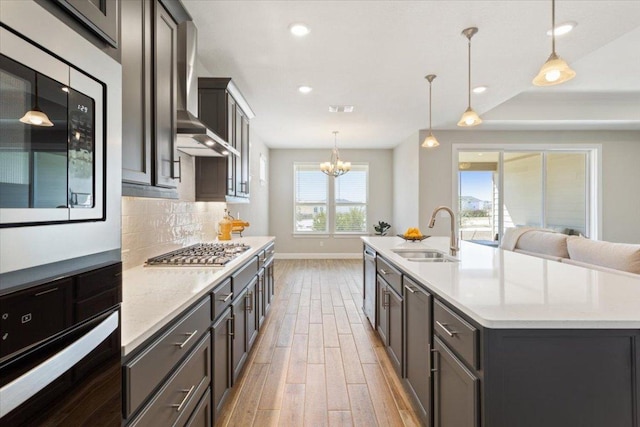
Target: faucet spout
{"x":453,"y":239}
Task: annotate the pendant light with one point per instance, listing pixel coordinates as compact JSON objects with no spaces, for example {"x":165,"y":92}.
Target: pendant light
{"x":335,"y":167}
{"x":555,"y":70}
{"x":36,"y":116}
{"x":430,"y":141}
{"x":469,"y":117}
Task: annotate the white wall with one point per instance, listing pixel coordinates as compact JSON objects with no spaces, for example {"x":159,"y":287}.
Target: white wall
{"x":620,"y":173}
{"x":256,"y":212}
{"x":406,"y":185}
{"x":281,"y":199}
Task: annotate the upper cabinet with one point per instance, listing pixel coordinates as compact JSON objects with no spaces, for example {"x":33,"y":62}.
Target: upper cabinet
{"x":222,"y":107}
{"x":149,"y":84}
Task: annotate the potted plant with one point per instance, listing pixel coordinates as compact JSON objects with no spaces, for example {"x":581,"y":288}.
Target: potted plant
{"x":381,"y":228}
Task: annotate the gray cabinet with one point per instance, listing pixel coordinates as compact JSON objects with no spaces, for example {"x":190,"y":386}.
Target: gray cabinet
{"x":149,"y":72}
{"x":201,"y":416}
{"x":395,"y":347}
{"x":455,"y":390}
{"x":382,"y":310}
{"x":251,"y":310}
{"x":418,"y":327}
{"x":221,"y":336}
{"x":369,"y":285}
{"x":101,"y":17}
{"x":238,"y":335}
{"x":220,"y":111}
{"x":165,"y":69}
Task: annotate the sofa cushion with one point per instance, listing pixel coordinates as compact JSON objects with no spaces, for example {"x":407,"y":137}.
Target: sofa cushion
{"x":544,"y":243}
{"x":597,"y":267}
{"x":619,"y":256}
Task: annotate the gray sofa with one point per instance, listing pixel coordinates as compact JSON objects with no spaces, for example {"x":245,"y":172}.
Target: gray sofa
{"x":576,"y":250}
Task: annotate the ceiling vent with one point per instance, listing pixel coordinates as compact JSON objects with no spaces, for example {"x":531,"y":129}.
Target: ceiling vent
{"x":341,"y":108}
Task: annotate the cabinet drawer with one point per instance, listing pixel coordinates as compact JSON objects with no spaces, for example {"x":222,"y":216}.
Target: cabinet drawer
{"x":390,"y":274}
{"x":177,"y":399}
{"x":222,"y":297}
{"x":145,"y":371}
{"x":241,"y":278}
{"x":98,"y":281}
{"x":456,"y":333}
{"x":269,"y":252}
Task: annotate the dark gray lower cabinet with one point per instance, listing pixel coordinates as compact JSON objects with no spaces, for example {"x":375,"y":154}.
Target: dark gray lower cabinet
{"x":176,"y":400}
{"x":221,"y":360}
{"x":261,"y":298}
{"x":201,"y":416}
{"x":455,"y":390}
{"x":382,"y":310}
{"x":417,"y":306}
{"x":556,"y":378}
{"x":238,"y":334}
{"x":251,"y":304}
{"x":395,"y":348}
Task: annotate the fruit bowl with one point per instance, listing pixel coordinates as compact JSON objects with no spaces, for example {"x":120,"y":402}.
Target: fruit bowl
{"x":413,"y":238}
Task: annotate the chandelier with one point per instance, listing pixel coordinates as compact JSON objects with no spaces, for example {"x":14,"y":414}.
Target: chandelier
{"x":335,"y":167}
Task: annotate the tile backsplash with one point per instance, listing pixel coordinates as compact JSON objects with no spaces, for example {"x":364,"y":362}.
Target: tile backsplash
{"x":152,"y":227}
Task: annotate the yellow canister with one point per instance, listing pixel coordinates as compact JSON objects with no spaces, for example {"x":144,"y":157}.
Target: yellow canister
{"x":224,"y":228}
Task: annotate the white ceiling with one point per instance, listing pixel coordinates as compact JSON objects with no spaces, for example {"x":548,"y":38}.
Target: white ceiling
{"x":375,"y":54}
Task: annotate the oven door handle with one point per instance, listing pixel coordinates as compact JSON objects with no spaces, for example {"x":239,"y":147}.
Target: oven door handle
{"x":27,"y":385}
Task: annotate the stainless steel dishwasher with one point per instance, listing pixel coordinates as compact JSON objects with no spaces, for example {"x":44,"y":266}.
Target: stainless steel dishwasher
{"x":369,"y":285}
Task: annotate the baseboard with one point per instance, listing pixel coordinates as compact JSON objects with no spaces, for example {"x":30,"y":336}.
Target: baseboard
{"x":319,"y":255}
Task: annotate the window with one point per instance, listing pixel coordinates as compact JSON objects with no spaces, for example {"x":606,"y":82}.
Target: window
{"x":550,"y":188}
{"x":324,"y":205}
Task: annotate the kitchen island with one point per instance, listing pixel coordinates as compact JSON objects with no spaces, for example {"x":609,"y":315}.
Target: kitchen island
{"x":187,"y":332}
{"x":497,"y":338}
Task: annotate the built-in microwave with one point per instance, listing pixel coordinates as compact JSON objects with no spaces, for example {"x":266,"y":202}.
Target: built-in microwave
{"x":51,"y":139}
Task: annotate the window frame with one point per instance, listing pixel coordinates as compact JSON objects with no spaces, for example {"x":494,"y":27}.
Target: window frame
{"x":331,"y":204}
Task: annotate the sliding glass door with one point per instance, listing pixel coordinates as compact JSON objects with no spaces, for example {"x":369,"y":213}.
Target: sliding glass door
{"x":530,"y":188}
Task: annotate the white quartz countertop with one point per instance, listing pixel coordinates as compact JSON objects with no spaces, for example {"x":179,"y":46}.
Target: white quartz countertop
{"x":504,"y":289}
{"x":153,"y":296}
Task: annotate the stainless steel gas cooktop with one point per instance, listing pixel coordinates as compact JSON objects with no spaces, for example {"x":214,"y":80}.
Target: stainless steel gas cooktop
{"x":200,"y":255}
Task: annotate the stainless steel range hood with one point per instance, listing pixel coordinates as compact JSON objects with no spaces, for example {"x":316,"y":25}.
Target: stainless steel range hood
{"x":194,"y":137}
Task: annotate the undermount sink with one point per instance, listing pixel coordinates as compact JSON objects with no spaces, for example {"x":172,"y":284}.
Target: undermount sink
{"x":424,"y":255}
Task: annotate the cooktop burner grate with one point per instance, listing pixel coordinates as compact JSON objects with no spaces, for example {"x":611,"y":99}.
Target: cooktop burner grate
{"x":200,"y":254}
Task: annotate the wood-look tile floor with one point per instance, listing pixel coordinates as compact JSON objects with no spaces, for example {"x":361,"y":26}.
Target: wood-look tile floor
{"x":318,"y":361}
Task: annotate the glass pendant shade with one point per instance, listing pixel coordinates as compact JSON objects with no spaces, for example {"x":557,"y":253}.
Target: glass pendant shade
{"x":36,"y":117}
{"x":553,"y":72}
{"x":430,"y":141}
{"x":469,"y":118}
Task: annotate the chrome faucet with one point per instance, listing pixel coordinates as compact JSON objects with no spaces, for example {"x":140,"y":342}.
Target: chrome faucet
{"x":453,"y":239}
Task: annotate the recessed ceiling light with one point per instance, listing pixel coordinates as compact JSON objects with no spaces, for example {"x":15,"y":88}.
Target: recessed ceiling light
{"x":209,"y":143}
{"x":479,"y":89}
{"x":341,"y":108}
{"x":299,"y":30}
{"x":305,"y":89}
{"x":563,"y":28}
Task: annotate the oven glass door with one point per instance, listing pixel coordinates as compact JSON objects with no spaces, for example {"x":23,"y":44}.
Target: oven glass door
{"x":49,"y":171}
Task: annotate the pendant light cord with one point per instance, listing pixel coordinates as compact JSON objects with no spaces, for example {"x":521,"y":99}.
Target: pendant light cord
{"x":553,"y":27}
{"x":429,"y":107}
{"x":469,"y":76}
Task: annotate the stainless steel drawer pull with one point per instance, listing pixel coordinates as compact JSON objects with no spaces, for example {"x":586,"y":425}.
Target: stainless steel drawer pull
{"x":226,"y":298}
{"x":444,"y":328}
{"x":191,"y":335}
{"x":180,"y":405}
{"x":383,"y":271}
{"x":410,"y":289}
{"x":48,"y":291}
